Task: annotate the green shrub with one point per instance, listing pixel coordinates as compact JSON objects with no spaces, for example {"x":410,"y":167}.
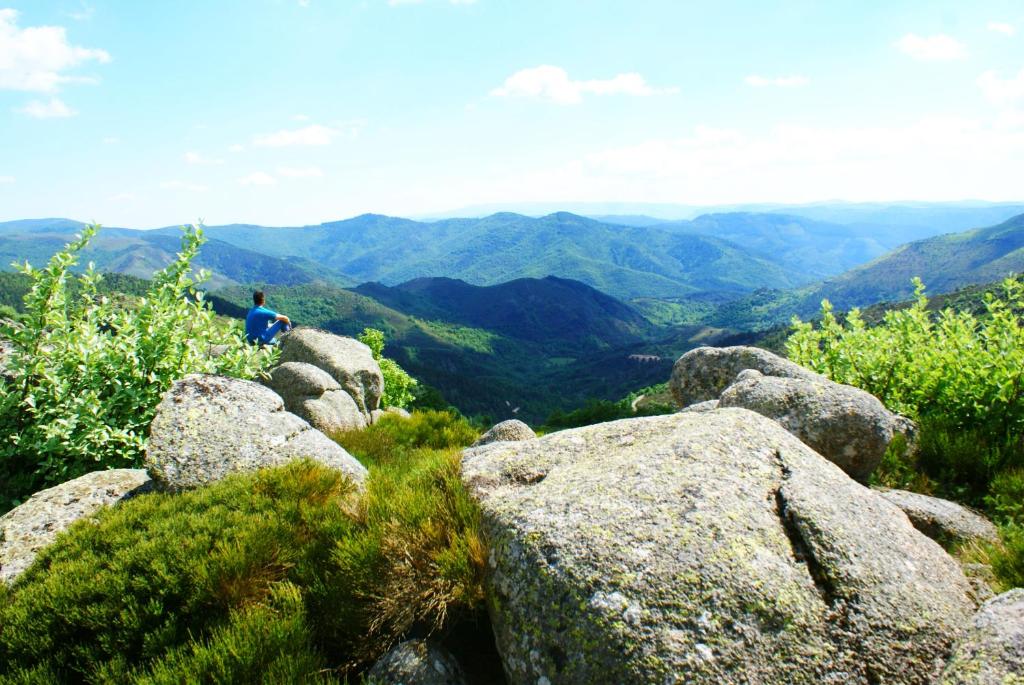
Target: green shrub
{"x":1008,"y":558}
{"x":89,"y":372}
{"x":398,"y":384}
{"x":265,"y":577}
{"x":1006,"y":496}
{"x":393,"y":436}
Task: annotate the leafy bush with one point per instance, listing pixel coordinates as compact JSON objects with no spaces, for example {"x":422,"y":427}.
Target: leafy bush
{"x":266,"y":577}
{"x":398,"y":384}
{"x":88,"y":371}
{"x":965,"y":370}
{"x":960,"y":374}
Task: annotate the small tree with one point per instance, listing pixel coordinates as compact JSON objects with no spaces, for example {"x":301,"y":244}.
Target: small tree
{"x":86,"y":372}
{"x":398,"y":384}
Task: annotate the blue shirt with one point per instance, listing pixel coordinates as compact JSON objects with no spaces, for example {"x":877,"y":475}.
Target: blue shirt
{"x":257,"y":320}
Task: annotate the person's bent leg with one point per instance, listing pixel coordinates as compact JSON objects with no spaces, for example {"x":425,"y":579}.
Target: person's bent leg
{"x":267,"y":338}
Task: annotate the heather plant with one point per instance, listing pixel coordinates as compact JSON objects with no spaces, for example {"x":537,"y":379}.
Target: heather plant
{"x":398,"y":385}
{"x":86,"y":370}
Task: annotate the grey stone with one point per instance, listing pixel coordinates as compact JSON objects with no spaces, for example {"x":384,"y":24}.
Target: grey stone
{"x":398,"y":411}
{"x":417,"y":662}
{"x":703,"y":373}
{"x":6,"y":349}
{"x":314,"y":395}
{"x":700,"y":407}
{"x":510,"y":430}
{"x":28,"y":528}
{"x":376,"y":415}
{"x":208,"y":427}
{"x":347,"y":360}
{"x":948,"y":523}
{"x":704,"y":548}
{"x":992,"y":651}
{"x":846,"y":425}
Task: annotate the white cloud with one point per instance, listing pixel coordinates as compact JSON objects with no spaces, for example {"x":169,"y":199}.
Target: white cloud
{"x":303,"y":3}
{"x":55,"y":108}
{"x":83,"y":13}
{"x":35,"y":58}
{"x":300,"y":117}
{"x":300,"y":172}
{"x":236,"y":148}
{"x":999,"y":90}
{"x":937,"y":48}
{"x":111,"y":140}
{"x":257,"y":178}
{"x":196,"y":158}
{"x":6,"y":179}
{"x":184,"y":185}
{"x":309,"y":135}
{"x":793,"y":81}
{"x":1002,"y":27}
{"x":553,"y":83}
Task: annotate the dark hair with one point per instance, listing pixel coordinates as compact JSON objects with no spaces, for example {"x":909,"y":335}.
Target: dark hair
{"x":258,"y":298}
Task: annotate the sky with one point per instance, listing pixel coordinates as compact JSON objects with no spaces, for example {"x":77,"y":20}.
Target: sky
{"x":289,"y":112}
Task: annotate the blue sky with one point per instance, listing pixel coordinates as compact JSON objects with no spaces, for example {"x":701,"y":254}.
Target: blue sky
{"x":300,"y":111}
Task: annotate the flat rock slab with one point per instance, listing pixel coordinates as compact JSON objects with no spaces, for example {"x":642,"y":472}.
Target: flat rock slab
{"x":703,"y":373}
{"x":704,"y":548}
{"x":347,"y":360}
{"x":948,"y":523}
{"x":510,"y":430}
{"x":992,"y":652}
{"x":27,"y":529}
{"x":846,"y":425}
{"x":208,"y":427}
{"x":417,"y":662}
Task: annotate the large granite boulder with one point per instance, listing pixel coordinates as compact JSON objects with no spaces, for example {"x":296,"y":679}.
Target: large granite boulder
{"x":510,"y":430}
{"x":417,"y":662}
{"x":849,"y":427}
{"x":703,"y":373}
{"x":314,"y":395}
{"x":207,"y":427}
{"x":347,"y":360}
{"x":992,"y":652}
{"x":948,"y":523}
{"x":26,"y":529}
{"x":704,"y":548}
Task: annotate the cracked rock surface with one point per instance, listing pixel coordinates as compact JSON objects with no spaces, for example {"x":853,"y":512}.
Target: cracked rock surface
{"x":703,"y":373}
{"x":704,"y":548}
{"x":207,"y":427}
{"x":26,"y":529}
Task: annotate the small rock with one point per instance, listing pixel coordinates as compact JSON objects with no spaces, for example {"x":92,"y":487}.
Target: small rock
{"x":207,"y":427}
{"x":510,"y":430}
{"x":992,"y":651}
{"x":700,"y":407}
{"x":28,"y":528}
{"x":417,"y":662}
{"x":703,"y":373}
{"x":946,"y":522}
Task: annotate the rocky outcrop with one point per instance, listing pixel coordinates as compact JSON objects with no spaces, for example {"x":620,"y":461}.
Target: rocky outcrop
{"x":992,"y":652}
{"x":347,"y":360}
{"x":846,"y":425}
{"x":207,"y":427}
{"x":948,"y":523}
{"x":378,"y":414}
{"x":510,"y":430}
{"x":6,"y":349}
{"x":704,"y":548}
{"x":314,"y":395}
{"x":417,"y":662}
{"x":703,"y":373}
{"x":26,"y":529}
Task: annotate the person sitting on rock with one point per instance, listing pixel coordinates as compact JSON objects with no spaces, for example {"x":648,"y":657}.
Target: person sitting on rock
{"x":258,"y":327}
